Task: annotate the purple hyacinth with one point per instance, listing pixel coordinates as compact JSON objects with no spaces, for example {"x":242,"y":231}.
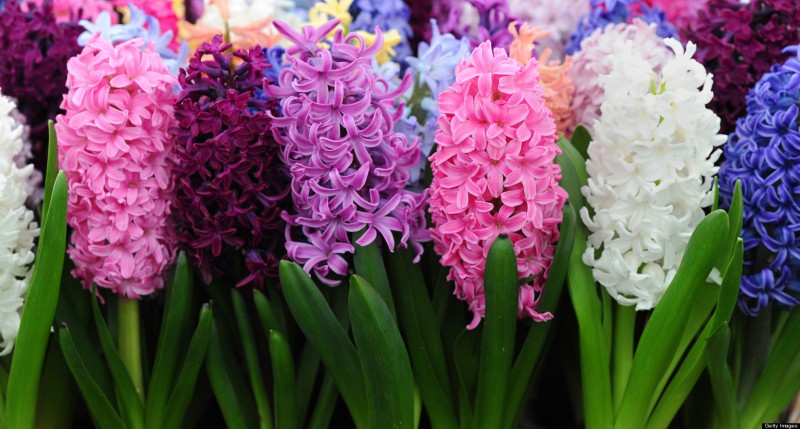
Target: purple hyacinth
{"x":477,"y":20}
{"x":738,"y":43}
{"x":231,"y":186}
{"x":763,"y":153}
{"x":605,"y":12}
{"x":348,"y":166}
{"x":33,"y":67}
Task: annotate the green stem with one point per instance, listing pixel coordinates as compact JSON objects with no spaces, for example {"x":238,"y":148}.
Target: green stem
{"x":624,"y":324}
{"x":129,"y":341}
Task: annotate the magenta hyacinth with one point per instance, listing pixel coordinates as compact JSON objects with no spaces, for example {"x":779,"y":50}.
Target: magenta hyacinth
{"x":231,"y":186}
{"x":349,"y":169}
{"x":493,"y":174}
{"x":114,"y":146}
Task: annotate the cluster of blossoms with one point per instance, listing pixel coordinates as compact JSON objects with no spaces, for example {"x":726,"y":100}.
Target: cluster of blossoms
{"x":386,"y":14}
{"x":348,"y":166}
{"x":680,"y":13}
{"x":18,"y":228}
{"x":608,"y":12}
{"x":73,"y":10}
{"x":595,"y":59}
{"x":650,"y":171}
{"x":739,"y":42}
{"x":33,"y":67}
{"x":555,"y":75}
{"x":763,"y":154}
{"x":140,"y":25}
{"x":493,"y":174}
{"x":114,"y":147}
{"x":163,"y":13}
{"x":559,"y":18}
{"x":231,"y":186}
{"x":246,"y":22}
{"x":478,"y":20}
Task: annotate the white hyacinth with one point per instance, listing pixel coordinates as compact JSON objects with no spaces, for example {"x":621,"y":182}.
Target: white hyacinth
{"x":651,"y":168}
{"x":595,"y":60}
{"x":17,"y":228}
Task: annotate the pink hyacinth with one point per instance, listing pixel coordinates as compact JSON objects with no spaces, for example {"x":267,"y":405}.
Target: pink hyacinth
{"x":114,"y":148}
{"x":493,"y":173}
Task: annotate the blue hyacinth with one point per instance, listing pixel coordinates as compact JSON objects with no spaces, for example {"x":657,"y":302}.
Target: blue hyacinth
{"x":764,"y":153}
{"x":388,"y":15}
{"x":607,"y":12}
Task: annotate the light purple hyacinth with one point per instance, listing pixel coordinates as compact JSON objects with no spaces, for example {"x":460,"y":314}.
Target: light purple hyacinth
{"x":348,"y":166}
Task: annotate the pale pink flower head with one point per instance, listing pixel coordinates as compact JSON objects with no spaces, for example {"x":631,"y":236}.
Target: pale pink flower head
{"x":114,"y":148}
{"x":493,"y":174}
{"x":73,"y":10}
{"x":595,"y":59}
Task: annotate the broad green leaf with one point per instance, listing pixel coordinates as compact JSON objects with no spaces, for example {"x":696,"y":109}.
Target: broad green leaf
{"x":664,"y":330}
{"x":285,"y":392}
{"x":326,"y":402}
{"x":384,"y":360}
{"x":734,"y":228}
{"x":265,"y":313}
{"x":497,"y":348}
{"x":171,"y":342}
{"x":229,"y":390}
{"x":58,"y":394}
{"x":727,"y":409}
{"x":369,"y":265}
{"x":581,"y":139}
{"x":186,"y":379}
{"x":251,"y":360}
{"x":102,"y":411}
{"x":466,"y":356}
{"x":422,"y":334}
{"x":730,"y":288}
{"x":52,"y":169}
{"x":307,"y":372}
{"x":325,"y":332}
{"x":130,"y":404}
{"x":37,"y":313}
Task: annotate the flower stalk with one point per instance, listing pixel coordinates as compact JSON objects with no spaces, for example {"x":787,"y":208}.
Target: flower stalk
{"x":130,"y":341}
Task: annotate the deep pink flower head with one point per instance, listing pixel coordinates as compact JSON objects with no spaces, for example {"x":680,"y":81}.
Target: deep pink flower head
{"x":73,"y":10}
{"x":348,"y":167}
{"x":493,"y":173}
{"x":113,"y":146}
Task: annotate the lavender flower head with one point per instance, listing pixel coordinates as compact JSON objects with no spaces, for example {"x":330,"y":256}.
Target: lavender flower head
{"x":142,"y":26}
{"x":388,"y":15}
{"x":478,"y":20}
{"x":232,"y":187}
{"x":763,"y":154}
{"x":348,"y":166}
{"x":605,"y":12}
{"x":33,"y":67}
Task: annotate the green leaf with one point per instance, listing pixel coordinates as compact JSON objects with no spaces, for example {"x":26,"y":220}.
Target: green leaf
{"x":369,"y":265}
{"x":265,"y":313}
{"x":285,"y":393}
{"x":466,"y":356}
{"x":129,"y":402}
{"x":581,"y":139}
{"x":423,"y":337}
{"x":102,"y":411}
{"x":664,"y":331}
{"x":497,"y":349}
{"x":307,"y":372}
{"x":52,"y":169}
{"x":186,"y":380}
{"x":384,"y":360}
{"x":38,"y":312}
{"x":171,"y":340}
{"x":715,"y":190}
{"x":251,"y":359}
{"x":727,"y":409}
{"x":730,"y":288}
{"x":230,"y":391}
{"x":58,"y":394}
{"x":326,"y":402}
{"x":324,"y":331}
{"x":734,"y":228}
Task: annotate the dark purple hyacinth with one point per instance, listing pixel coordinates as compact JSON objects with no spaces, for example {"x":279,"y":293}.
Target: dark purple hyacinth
{"x":33,"y":66}
{"x":494,"y":18}
{"x":738,"y":43}
{"x":231,"y":185}
{"x":764,"y":153}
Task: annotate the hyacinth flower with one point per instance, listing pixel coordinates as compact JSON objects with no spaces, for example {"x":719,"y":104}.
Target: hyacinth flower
{"x":738,"y":42}
{"x":595,"y":60}
{"x":762,"y":153}
{"x":555,"y":75}
{"x":162,"y":11}
{"x":18,"y":227}
{"x":33,"y":67}
{"x":232,"y":187}
{"x":348,"y":166}
{"x":244,"y":23}
{"x":140,"y":25}
{"x":604,"y":13}
{"x":559,"y":18}
{"x":73,"y":10}
{"x":493,"y":174}
{"x":478,"y":20}
{"x":388,"y":15}
{"x":681,"y":13}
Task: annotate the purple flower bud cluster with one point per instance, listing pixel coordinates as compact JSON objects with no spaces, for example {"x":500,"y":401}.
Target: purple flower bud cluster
{"x":232,"y":185}
{"x":348,"y":166}
{"x":739,"y":42}
{"x":763,"y":154}
{"x":33,"y":67}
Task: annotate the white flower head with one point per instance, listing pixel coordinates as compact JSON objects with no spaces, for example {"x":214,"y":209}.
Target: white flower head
{"x":651,"y":165}
{"x":17,"y":228}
